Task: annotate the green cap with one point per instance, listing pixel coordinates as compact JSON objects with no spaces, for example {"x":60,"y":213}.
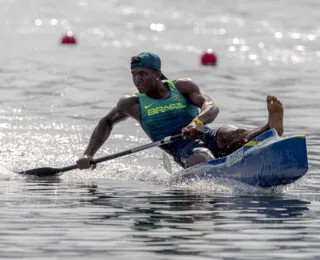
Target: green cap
{"x":147,"y":59}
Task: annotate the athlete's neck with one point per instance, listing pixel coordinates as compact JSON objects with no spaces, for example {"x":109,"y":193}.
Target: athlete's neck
{"x":160,"y":91}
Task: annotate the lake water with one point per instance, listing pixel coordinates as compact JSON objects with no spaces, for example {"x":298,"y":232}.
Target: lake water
{"x":52,"y":96}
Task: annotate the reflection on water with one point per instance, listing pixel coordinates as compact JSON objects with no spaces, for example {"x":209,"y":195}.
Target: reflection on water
{"x":114,"y":217}
{"x":164,"y":222}
{"x":178,"y":206}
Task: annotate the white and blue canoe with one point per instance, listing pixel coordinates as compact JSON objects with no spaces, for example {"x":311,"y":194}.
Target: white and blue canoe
{"x":266,"y":161}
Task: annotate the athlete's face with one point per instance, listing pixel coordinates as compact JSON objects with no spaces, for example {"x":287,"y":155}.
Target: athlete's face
{"x":144,"y":78}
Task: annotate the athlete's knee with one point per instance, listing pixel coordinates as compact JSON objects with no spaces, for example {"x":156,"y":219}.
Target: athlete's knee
{"x":231,"y":130}
{"x":199,"y":155}
{"x":230,"y":135}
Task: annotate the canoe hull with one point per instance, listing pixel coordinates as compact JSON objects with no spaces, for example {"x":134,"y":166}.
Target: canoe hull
{"x":266,"y":161}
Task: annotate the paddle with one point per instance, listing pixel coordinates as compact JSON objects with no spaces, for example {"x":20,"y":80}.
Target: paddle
{"x":48,"y":171}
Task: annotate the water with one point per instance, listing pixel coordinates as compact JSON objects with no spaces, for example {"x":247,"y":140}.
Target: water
{"x":52,"y":96}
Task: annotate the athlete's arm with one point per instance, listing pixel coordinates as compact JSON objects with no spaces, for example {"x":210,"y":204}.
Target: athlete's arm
{"x":102,"y":131}
{"x":209,"y":110}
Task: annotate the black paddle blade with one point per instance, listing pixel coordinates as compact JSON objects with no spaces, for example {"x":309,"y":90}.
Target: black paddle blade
{"x":42,"y":172}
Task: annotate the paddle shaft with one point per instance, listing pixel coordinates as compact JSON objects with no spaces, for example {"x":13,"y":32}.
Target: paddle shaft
{"x":49,"y":171}
{"x":166,"y":140}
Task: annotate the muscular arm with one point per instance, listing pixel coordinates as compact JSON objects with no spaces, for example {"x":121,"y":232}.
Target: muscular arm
{"x":190,"y":90}
{"x":101,"y":133}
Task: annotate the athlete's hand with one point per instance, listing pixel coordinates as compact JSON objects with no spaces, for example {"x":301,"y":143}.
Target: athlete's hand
{"x":194,"y":131}
{"x":84,"y":163}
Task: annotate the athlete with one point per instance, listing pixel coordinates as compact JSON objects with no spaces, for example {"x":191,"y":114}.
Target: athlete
{"x":168,"y":107}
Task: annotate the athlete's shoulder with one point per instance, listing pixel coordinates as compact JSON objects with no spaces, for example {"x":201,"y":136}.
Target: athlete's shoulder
{"x":127,"y":102}
{"x":186,"y":85}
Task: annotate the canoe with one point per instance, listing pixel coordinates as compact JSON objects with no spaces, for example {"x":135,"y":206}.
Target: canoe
{"x":266,"y":161}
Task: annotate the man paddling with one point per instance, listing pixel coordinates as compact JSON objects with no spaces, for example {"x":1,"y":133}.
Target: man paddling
{"x":168,"y":107}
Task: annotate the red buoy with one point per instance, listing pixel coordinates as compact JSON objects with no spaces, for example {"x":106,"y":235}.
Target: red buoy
{"x":209,"y":58}
{"x":69,"y":38}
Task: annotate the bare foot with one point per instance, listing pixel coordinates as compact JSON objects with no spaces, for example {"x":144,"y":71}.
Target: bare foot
{"x":275,"y":109}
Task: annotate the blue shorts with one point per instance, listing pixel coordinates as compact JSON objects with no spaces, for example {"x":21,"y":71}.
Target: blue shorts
{"x":182,"y":149}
